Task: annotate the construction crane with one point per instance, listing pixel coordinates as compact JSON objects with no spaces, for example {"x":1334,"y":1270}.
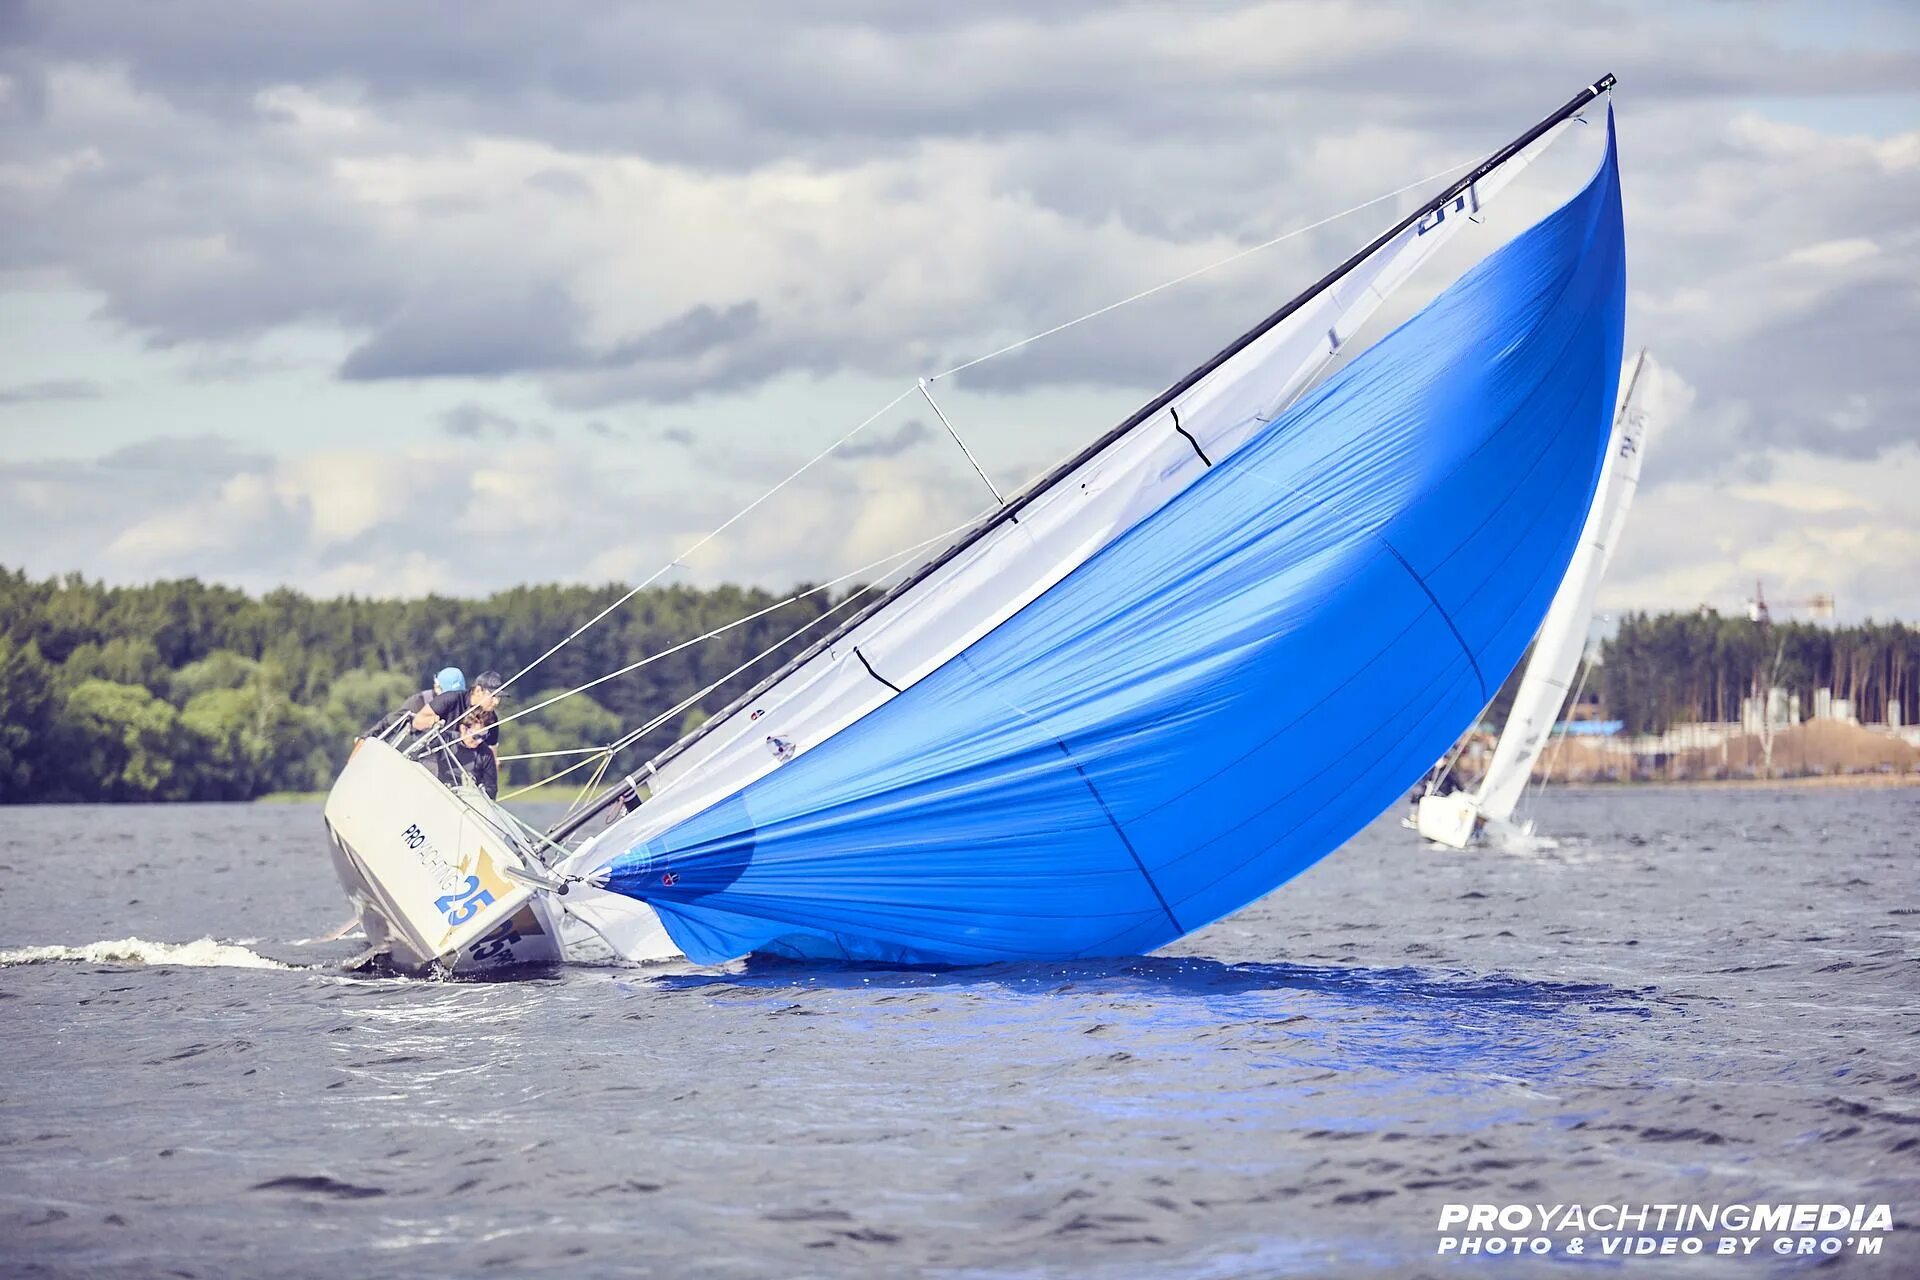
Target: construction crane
{"x":1818,"y":607}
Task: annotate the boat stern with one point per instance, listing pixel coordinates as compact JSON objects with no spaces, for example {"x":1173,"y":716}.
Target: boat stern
{"x":1448,"y":819}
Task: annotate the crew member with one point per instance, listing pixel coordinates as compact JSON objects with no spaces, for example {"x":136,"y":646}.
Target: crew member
{"x":440,"y":719}
{"x":447,"y":680}
{"x":477,"y":754}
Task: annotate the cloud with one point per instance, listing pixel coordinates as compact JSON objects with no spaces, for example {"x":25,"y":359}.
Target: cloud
{"x":406,"y":522}
{"x":463,"y":329}
{"x":1846,"y":527}
{"x":700,"y":349}
{"x":133,"y":513}
{"x":658,"y":211}
{"x":51,"y":389}
{"x":747,"y":85}
{"x":476,"y":422}
{"x":884,"y":444}
{"x":1791,"y":332}
{"x":618,"y":212}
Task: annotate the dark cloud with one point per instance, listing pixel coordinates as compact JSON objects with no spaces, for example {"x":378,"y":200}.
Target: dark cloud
{"x":703,"y":350}
{"x":1818,"y":378}
{"x":52,"y":389}
{"x":744,"y":85}
{"x":449,"y":332}
{"x":452,"y":333}
{"x":691,"y":334}
{"x":476,"y":422}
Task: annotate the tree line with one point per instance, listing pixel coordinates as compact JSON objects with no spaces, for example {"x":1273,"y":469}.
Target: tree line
{"x":1659,"y":670}
{"x":188,"y":691}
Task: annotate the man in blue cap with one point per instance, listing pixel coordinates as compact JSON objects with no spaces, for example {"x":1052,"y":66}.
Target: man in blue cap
{"x":447,"y":680}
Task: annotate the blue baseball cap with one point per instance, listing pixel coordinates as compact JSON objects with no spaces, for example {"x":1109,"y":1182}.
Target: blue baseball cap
{"x":450,"y":680}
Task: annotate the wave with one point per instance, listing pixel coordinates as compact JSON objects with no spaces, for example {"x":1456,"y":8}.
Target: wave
{"x":205,"y":953}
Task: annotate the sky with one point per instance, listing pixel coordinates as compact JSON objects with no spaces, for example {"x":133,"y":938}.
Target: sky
{"x":387,"y":298}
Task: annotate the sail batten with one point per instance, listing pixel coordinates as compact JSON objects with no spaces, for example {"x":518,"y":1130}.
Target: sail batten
{"x":1249,"y":663}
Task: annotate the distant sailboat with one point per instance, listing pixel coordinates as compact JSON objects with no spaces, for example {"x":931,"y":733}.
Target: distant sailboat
{"x":1154,"y":685}
{"x":1456,"y":818}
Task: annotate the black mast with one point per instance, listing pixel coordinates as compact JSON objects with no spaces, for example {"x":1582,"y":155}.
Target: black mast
{"x":627,"y":786}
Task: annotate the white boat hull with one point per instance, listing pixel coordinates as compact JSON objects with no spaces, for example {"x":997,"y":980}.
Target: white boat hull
{"x":426,"y":867}
{"x":1449,"y":819}
{"x":1455,"y":821}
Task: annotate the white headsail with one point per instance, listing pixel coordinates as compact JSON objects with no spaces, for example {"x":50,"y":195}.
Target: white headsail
{"x":1563,"y":636}
{"x":1557,"y":650}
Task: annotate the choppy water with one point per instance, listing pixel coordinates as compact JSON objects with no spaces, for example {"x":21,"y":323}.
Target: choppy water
{"x":1704,"y":996}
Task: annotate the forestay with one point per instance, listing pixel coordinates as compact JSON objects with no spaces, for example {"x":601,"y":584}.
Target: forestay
{"x":1563,"y":636}
{"x":1195,"y":664}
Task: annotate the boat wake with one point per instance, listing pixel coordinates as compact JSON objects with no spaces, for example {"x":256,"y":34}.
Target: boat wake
{"x":205,"y":953}
{"x":1506,"y":838}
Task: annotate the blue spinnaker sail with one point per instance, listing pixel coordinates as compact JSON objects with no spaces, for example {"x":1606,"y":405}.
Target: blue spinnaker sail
{"x":1224,"y":694}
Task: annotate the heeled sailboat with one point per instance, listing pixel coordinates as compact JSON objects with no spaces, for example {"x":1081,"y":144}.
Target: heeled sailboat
{"x":1152,"y":686}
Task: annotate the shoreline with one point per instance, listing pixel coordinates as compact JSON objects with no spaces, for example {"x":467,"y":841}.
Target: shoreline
{"x":1802,"y":782}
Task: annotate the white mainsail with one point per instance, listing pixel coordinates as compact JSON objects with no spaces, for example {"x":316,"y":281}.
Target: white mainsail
{"x":1064,"y":519}
{"x":1562,"y":640}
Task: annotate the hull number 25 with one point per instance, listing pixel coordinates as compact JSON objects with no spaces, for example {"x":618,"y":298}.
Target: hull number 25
{"x":464,"y":903}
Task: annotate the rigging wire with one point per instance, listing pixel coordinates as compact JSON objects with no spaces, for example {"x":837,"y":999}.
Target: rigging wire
{"x":591,"y":785}
{"x":742,"y":621}
{"x":634,"y":735}
{"x":900,"y":555}
{"x":1199,"y":271}
{"x":1438,"y":773}
{"x":709,"y":536}
{"x":1579,"y":687}
{"x":544,"y":755}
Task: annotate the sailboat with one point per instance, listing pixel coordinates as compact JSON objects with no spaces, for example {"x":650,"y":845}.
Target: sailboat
{"x":1150,"y":687}
{"x":1457,"y":818}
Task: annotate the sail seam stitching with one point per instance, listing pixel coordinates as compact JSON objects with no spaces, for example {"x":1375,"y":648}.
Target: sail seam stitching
{"x":1444,"y":617}
{"x":1120,"y":831}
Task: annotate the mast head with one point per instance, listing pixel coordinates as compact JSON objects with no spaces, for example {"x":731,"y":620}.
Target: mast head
{"x":1603,"y":84}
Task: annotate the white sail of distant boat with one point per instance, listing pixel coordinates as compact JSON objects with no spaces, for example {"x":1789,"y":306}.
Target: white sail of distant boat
{"x":1066,"y":733}
{"x":1453,"y":818}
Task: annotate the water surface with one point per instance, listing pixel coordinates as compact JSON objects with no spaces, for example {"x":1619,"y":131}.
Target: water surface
{"x":1703,"y":996}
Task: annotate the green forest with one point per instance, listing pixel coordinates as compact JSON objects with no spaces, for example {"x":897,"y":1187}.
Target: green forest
{"x":189,"y":691}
